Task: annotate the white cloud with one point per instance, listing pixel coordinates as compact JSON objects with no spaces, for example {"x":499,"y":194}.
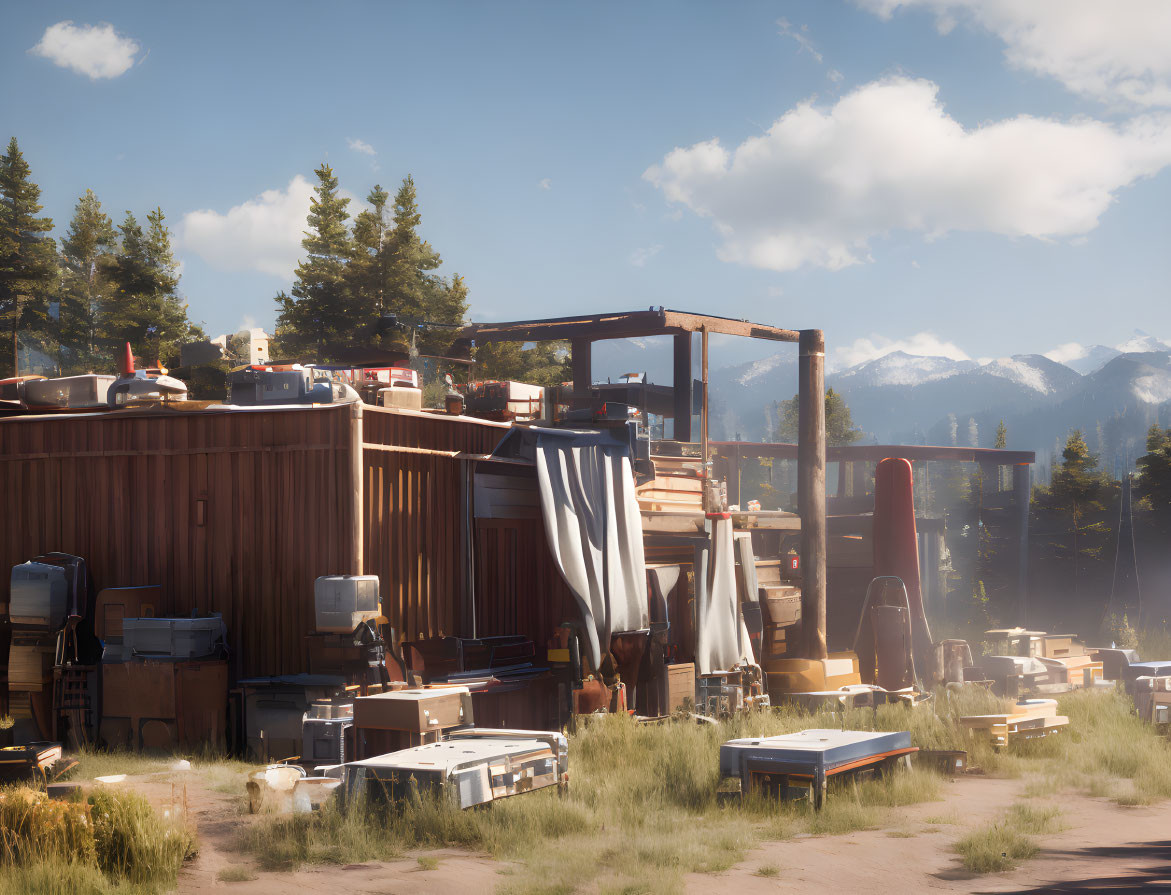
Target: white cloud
{"x":822,"y":182}
{"x":639,"y":257}
{"x":1109,"y":50}
{"x":262,"y":234}
{"x":799,"y":35}
{"x":922,"y":344}
{"x":97,"y":51}
{"x":1063,"y":354}
{"x":545,"y":184}
{"x":361,"y":146}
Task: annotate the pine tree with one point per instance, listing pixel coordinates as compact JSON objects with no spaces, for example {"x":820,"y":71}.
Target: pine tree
{"x":839,"y":424}
{"x":368,"y":270}
{"x":546,"y":363}
{"x":1000,"y":445}
{"x":320,"y":312}
{"x":1153,"y":487}
{"x":144,"y":307}
{"x":1079,"y":491}
{"x":88,"y":255}
{"x":415,"y":293}
{"x":28,"y":256}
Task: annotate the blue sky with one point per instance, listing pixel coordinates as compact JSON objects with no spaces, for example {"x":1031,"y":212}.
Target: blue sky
{"x":944,"y":175}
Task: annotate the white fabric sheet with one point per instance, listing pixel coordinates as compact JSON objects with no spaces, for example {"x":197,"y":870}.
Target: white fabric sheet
{"x":721,"y":637}
{"x":594,"y":528}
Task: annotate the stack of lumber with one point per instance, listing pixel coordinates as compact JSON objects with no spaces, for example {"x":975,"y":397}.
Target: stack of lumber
{"x":1030,"y":718}
{"x":673,"y":500}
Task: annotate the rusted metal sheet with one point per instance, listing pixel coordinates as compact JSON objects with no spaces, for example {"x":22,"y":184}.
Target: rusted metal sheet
{"x":236,"y":512}
{"x":518,"y":589}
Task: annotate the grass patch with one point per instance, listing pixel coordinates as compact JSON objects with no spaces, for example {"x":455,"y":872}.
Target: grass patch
{"x":641,"y":812}
{"x":768,"y":871}
{"x":111,"y":842}
{"x":236,"y":874}
{"x":1004,"y":843}
{"x":428,"y":862}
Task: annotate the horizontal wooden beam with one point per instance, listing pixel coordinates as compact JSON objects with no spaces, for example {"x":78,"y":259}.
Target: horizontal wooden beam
{"x":876,"y":452}
{"x":622,"y":325}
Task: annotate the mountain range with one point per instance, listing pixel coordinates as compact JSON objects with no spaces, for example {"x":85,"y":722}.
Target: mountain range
{"x":1112,"y":394}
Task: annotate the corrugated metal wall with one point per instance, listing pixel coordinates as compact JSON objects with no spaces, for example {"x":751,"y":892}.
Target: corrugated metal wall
{"x":239,"y":511}
{"x":235,"y":512}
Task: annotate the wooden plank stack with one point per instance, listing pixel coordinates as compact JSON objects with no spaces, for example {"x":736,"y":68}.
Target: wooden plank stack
{"x":1029,"y":719}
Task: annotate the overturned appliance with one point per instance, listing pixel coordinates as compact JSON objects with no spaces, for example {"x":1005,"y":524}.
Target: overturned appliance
{"x":146,"y":386}
{"x":470,"y":767}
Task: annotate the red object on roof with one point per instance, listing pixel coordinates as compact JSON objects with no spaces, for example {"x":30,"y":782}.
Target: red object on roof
{"x":127,"y":366}
{"x":896,"y":547}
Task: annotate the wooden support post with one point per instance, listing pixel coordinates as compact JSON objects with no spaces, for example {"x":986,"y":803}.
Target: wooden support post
{"x":682,"y":383}
{"x":841,"y":464}
{"x":703,"y":412}
{"x":1022,"y":492}
{"x":357,"y":508}
{"x":581,"y":351}
{"x":811,"y":489}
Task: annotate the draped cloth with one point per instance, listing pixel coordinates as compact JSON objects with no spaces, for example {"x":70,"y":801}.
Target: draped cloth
{"x":721,"y":640}
{"x":594,"y":528}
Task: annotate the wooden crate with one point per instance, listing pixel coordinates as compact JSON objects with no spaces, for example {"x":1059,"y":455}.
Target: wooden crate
{"x":680,"y":685}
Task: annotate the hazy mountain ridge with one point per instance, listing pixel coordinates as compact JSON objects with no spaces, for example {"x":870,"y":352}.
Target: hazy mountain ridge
{"x":909,"y":398}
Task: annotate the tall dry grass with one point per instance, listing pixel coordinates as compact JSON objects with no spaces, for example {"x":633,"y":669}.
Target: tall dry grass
{"x":113,"y":842}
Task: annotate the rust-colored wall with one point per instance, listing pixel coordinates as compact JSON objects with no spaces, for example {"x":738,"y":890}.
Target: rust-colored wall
{"x":128,"y":491}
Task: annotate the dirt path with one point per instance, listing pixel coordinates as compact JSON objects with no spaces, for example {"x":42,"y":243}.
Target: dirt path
{"x":1104,"y":846}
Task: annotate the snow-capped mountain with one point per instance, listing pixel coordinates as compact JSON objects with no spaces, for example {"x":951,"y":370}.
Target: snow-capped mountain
{"x":901,"y":397}
{"x":900,"y":368}
{"x":1095,"y":357}
{"x":1034,"y":371}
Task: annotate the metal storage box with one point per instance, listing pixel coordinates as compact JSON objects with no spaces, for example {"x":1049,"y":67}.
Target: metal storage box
{"x":403,"y":397}
{"x":38,"y":596}
{"x":177,"y":638}
{"x":416,"y":711}
{"x":324,"y":739}
{"x":343,"y":602}
{"x":88,"y":392}
{"x":475,"y":767}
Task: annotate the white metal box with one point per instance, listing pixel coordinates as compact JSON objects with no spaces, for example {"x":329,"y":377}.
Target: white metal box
{"x":343,"y":602}
{"x":404,"y":397}
{"x":87,"y":392}
{"x":38,"y":594}
{"x":176,"y":638}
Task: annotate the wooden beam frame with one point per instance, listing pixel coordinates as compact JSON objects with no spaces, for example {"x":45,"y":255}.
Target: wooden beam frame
{"x":622,"y":325}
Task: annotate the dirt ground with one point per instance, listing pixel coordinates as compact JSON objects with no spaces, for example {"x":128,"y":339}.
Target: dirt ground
{"x":1103,"y":846}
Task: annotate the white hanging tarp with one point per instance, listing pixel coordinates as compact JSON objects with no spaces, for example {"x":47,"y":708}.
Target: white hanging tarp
{"x":594,"y":528}
{"x":721,"y":640}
